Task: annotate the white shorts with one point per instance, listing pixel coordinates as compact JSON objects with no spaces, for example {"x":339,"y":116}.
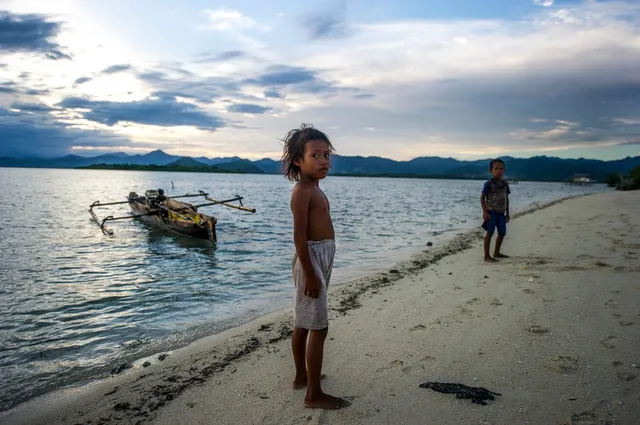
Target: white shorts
{"x":313,"y":313}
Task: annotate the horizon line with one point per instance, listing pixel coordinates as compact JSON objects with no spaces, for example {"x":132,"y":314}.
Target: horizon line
{"x":337,"y":155}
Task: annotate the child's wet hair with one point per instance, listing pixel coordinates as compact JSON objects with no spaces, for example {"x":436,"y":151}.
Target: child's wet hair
{"x":293,"y":150}
{"x":494,"y":162}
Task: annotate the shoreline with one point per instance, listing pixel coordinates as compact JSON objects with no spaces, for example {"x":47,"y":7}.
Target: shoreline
{"x":237,"y":342}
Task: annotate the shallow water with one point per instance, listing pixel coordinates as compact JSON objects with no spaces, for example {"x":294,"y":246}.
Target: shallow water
{"x":74,"y":303}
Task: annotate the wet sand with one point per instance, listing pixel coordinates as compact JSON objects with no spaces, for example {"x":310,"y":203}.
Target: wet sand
{"x":555,"y":329}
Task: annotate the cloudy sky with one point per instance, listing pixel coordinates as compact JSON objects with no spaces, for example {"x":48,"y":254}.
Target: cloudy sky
{"x":399,"y":79}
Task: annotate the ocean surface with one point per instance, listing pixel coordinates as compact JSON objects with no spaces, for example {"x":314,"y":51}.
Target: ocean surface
{"x":75,"y":303}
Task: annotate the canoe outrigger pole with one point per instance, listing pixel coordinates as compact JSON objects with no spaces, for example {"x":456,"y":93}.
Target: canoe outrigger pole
{"x":169,"y":213}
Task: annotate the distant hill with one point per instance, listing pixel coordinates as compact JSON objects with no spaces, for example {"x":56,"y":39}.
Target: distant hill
{"x":184,"y":164}
{"x":539,"y":168}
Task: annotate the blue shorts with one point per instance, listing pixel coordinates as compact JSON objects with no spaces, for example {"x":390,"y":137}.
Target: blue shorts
{"x":496,"y":220}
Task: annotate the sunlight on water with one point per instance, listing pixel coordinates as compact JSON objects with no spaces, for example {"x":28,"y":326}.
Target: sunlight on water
{"x":74,"y":303}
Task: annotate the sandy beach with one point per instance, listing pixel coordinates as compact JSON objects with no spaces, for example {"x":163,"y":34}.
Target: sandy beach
{"x":555,"y":330}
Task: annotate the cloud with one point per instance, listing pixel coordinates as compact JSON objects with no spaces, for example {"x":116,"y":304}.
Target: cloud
{"x":30,"y":33}
{"x":282,"y":75}
{"x":162,"y":112}
{"x":327,"y":23}
{"x":39,"y":134}
{"x":275,"y":80}
{"x":10,"y":87}
{"x":544,"y":3}
{"x":116,"y":68}
{"x":296,"y":79}
{"x":631,"y":142}
{"x":627,"y":121}
{"x":247,"y":108}
{"x":561,"y":130}
{"x":224,"y":19}
{"x":82,"y":80}
{"x":202,"y":89}
{"x":221,"y":57}
{"x":31,"y":107}
{"x":273,"y":94}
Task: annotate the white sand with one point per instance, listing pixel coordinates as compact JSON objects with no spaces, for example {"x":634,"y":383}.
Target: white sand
{"x":555,"y":330}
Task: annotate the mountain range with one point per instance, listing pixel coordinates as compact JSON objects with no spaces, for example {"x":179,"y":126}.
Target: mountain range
{"x":538,"y":168}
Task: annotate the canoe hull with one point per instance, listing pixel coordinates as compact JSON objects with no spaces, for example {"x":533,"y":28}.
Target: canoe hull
{"x":205,"y":229}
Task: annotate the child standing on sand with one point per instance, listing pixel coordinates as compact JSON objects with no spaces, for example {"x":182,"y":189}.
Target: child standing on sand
{"x":495,"y":209}
{"x":306,"y":160}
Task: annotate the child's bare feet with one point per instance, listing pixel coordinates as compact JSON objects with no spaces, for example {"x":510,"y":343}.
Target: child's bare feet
{"x":326,"y":401}
{"x":300,"y":383}
{"x":490,"y":260}
{"x":500,"y":256}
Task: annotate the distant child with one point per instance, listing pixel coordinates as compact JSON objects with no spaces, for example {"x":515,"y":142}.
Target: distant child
{"x":306,"y":160}
{"x":495,"y":209}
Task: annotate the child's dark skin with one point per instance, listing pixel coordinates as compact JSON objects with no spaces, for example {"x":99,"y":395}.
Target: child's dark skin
{"x":311,"y":222}
{"x":497,"y":171}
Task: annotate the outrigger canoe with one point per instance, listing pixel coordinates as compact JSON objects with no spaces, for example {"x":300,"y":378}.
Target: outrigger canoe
{"x":169,"y":213}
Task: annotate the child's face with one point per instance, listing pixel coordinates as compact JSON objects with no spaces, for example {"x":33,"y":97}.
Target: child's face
{"x":316,"y":160}
{"x":498,"y":170}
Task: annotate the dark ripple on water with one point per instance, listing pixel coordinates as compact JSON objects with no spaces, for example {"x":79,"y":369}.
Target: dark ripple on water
{"x":75,"y":303}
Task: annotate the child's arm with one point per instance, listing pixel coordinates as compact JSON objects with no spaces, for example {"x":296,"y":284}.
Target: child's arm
{"x":507,"y":203}
{"x":300,"y":201}
{"x":483,"y":197}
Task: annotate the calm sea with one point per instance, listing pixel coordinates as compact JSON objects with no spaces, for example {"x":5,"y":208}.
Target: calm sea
{"x":74,"y":303}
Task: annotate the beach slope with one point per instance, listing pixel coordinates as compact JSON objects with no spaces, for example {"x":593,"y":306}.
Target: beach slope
{"x":554,"y":329}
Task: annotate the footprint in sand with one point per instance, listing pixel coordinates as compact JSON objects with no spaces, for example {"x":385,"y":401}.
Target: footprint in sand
{"x":393,"y":365}
{"x":537,"y":329}
{"x":399,"y":364}
{"x":609,"y":342}
{"x":496,"y":301}
{"x":529,"y":275}
{"x":538,"y":261}
{"x":528,"y":291}
{"x":464,"y":310}
{"x":626,"y":376}
{"x":585,"y":256}
{"x":571,"y":269}
{"x":600,"y":414}
{"x":408,"y":369}
{"x":426,"y":359}
{"x":417,"y":328}
{"x":611,"y":304}
{"x":564,"y":364}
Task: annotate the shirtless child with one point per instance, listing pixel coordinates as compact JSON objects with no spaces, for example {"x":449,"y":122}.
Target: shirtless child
{"x":306,"y":160}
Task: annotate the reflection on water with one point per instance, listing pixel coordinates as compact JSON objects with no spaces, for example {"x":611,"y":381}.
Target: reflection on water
{"x":75,"y":303}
